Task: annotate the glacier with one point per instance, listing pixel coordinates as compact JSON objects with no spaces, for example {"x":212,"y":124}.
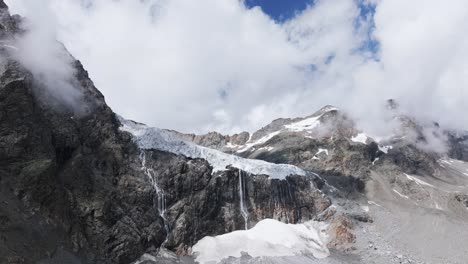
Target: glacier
{"x":154,"y":138}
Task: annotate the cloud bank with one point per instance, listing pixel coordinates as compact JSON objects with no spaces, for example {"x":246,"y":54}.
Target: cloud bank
{"x":197,"y":66}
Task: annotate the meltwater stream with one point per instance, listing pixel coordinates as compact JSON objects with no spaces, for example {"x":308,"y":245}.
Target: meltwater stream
{"x":243,"y":210}
{"x":161,"y":198}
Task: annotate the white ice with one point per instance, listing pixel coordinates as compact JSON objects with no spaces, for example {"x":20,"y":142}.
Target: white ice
{"x":268,"y":238}
{"x":154,"y":138}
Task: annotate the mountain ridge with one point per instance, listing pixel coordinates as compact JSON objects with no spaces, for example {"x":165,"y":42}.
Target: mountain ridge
{"x":89,"y":186}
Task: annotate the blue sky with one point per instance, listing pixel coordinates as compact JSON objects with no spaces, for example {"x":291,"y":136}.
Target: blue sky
{"x":280,"y":10}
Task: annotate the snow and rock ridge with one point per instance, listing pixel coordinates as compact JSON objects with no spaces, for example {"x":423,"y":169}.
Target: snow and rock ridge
{"x":154,"y":138}
{"x":307,"y":125}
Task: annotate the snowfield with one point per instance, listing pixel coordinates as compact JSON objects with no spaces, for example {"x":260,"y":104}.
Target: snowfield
{"x":360,"y":138}
{"x":269,"y":238}
{"x":154,"y":138}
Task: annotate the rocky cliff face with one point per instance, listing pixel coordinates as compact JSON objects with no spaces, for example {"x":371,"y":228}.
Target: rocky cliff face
{"x":77,"y":189}
{"x":63,"y":172}
{"x":197,"y":202}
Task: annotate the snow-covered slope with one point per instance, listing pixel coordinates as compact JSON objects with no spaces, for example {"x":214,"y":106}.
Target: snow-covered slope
{"x":304,"y":125}
{"x":268,"y":238}
{"x":153,"y":138}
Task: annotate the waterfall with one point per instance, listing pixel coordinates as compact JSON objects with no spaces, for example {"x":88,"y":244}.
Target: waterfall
{"x":161,"y":197}
{"x":243,"y":210}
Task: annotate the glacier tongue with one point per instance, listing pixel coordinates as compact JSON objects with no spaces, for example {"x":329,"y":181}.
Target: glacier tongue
{"x":154,"y":138}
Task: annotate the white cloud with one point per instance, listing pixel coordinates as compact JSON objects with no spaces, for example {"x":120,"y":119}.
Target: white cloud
{"x":217,"y":65}
{"x":50,"y":63}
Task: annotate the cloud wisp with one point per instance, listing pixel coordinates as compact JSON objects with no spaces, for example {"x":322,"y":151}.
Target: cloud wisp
{"x":47,"y":59}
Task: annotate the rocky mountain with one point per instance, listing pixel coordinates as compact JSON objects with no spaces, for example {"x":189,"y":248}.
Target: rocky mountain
{"x":76,"y":187}
{"x":84,"y":185}
{"x":396,"y":191}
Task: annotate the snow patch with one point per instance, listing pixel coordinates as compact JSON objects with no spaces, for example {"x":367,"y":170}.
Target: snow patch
{"x":154,"y":138}
{"x":306,"y":124}
{"x":269,"y":148}
{"x":445,"y":161}
{"x":385,"y":149}
{"x":375,"y":160}
{"x":230,"y":145}
{"x":374,"y":203}
{"x":360,"y":138}
{"x":418,"y":181}
{"x":404,"y":196}
{"x":365,"y":208}
{"x":268,"y":238}
{"x":262,"y":140}
{"x":322,"y":151}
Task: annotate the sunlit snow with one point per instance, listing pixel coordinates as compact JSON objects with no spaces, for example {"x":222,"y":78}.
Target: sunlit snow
{"x":360,"y":138}
{"x":268,"y":238}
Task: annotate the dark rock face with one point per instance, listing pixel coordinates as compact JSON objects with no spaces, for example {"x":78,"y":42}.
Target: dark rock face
{"x":74,"y":188}
{"x":199,"y":203}
{"x":462,"y":198}
{"x":3,"y":5}
{"x":458,"y":145}
{"x":79,"y":180}
{"x":62,"y":176}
